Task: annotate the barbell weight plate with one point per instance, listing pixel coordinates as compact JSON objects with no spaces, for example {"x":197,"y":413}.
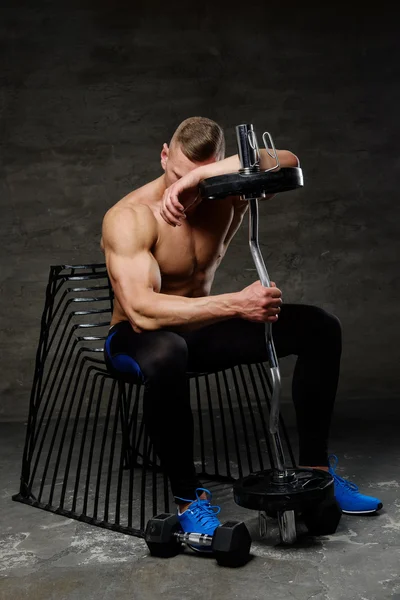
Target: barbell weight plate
{"x":255,"y":184}
{"x":258,"y":491}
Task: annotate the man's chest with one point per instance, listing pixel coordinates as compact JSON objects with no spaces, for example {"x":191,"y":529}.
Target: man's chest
{"x":198,"y":244}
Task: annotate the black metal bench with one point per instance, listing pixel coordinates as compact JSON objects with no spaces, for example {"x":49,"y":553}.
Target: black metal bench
{"x":87,"y":455}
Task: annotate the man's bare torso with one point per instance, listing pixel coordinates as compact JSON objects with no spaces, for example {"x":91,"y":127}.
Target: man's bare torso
{"x":189,"y":255}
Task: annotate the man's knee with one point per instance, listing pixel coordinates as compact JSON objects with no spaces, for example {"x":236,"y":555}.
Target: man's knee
{"x":326,"y":326}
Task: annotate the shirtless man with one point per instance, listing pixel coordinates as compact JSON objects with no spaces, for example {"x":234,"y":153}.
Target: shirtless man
{"x":163,"y":245}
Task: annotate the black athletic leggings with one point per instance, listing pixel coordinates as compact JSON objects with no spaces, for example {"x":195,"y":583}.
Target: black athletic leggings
{"x":161,"y":359}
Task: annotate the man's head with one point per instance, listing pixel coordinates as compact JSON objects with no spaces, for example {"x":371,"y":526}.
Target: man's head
{"x":197,"y":141}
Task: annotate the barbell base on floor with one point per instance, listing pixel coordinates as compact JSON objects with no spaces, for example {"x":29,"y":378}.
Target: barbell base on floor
{"x":310,"y":496}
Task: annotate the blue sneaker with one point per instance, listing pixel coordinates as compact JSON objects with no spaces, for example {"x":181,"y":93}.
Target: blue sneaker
{"x":199,"y":517}
{"x":347,"y":495}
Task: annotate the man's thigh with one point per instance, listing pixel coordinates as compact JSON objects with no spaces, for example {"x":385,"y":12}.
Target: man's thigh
{"x":298,"y":325}
{"x":226,"y":344}
{"x":237,"y":341}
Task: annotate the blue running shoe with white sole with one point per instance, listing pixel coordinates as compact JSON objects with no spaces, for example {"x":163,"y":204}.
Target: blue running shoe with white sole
{"x":348,"y":497}
{"x":200,"y":517}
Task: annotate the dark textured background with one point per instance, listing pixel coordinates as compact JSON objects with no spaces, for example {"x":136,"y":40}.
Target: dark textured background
{"x":88,"y":95}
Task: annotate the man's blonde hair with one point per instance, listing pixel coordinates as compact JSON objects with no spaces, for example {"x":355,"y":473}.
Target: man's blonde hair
{"x":200,"y":139}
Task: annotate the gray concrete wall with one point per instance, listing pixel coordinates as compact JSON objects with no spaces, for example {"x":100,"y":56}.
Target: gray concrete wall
{"x":88,"y":95}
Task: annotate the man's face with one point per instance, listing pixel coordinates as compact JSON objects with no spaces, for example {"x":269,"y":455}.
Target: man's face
{"x":176,"y":164}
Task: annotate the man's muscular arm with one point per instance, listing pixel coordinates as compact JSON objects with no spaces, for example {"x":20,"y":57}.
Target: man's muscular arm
{"x":172,"y":209}
{"x":232,"y":163}
{"x":129,"y":235}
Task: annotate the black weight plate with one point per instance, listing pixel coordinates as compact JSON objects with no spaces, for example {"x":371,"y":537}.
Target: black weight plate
{"x":256,"y":184}
{"x":258,"y":491}
{"x":159,"y":535}
{"x":323,"y":519}
{"x":231,"y":544}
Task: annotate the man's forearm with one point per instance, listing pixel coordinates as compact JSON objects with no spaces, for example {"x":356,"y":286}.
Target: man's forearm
{"x":164,"y":311}
{"x":232,"y":163}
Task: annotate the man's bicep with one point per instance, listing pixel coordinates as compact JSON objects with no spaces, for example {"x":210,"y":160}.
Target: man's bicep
{"x":133,"y":277}
{"x":132,"y":268}
{"x":139,"y":270}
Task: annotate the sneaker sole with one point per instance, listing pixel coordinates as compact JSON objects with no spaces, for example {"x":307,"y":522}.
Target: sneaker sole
{"x":362,"y":512}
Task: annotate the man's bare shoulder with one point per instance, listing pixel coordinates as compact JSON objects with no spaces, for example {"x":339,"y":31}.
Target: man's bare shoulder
{"x":127,"y":220}
{"x":128,"y":211}
{"x":148,"y":194}
{"x":139,"y":203}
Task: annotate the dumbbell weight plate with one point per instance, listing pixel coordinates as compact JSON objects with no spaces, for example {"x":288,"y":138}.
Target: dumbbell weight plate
{"x":159,"y":535}
{"x":323,"y":519}
{"x":231,"y":544}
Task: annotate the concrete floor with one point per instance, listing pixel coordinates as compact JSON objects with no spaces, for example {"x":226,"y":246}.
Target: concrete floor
{"x":46,"y":557}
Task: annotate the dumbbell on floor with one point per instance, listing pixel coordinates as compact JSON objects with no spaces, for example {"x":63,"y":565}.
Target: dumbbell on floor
{"x":230,"y":543}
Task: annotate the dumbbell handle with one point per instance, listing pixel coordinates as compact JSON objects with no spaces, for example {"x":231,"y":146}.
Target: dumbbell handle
{"x":202,"y":539}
